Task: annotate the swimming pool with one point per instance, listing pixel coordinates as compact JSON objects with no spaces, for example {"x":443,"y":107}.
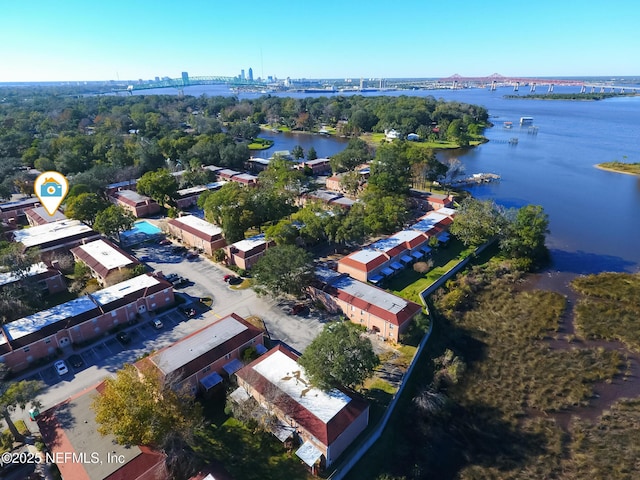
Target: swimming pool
{"x":140,"y":232}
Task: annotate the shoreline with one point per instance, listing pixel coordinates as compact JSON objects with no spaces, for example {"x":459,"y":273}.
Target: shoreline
{"x":609,"y":169}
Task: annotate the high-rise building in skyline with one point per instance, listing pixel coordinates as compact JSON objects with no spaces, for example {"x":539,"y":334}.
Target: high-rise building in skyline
{"x":185,"y":78}
{"x":242,"y":74}
{"x":250,"y":74}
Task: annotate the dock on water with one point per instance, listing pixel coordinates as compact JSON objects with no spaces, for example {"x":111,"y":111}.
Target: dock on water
{"x":476,"y":179}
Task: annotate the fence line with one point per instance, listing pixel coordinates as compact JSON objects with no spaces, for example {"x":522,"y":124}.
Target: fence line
{"x":375,"y":434}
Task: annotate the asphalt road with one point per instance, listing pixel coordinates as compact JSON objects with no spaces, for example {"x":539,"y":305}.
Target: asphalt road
{"x":106,"y":357}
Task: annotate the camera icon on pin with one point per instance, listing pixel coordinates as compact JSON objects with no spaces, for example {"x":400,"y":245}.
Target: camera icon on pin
{"x":50,"y":188}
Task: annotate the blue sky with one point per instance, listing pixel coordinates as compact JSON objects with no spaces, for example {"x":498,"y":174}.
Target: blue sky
{"x":45,"y":40}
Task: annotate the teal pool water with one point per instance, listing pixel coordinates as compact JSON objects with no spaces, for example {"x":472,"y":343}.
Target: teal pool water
{"x":140,"y":232}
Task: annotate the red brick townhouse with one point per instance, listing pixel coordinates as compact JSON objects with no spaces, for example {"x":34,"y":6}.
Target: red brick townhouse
{"x":48,"y":279}
{"x":377,"y":310}
{"x":198,"y":362}
{"x":13,"y":212}
{"x":40,"y":216}
{"x":198,"y":233}
{"x":60,"y":235}
{"x":247,"y":252}
{"x":30,"y":338}
{"x":103,"y":258}
{"x":139,"y":205}
{"x":326,"y":422}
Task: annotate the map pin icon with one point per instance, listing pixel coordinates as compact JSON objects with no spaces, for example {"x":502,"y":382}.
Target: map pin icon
{"x":51,"y":188}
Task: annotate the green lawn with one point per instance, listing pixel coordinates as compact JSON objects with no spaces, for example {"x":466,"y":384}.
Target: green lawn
{"x":260,"y":144}
{"x":249,"y":453}
{"x":409,"y":283}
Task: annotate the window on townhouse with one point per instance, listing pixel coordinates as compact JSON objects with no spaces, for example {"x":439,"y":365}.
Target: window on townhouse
{"x":206,"y":369}
{"x":47,"y":341}
{"x":227,"y":356}
{"x":26,"y":349}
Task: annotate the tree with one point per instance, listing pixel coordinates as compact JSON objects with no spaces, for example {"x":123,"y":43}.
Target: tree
{"x":478,"y":221}
{"x":114,"y":220}
{"x":159,"y":185}
{"x":17,"y":394}
{"x":85,"y":207}
{"x":356,"y":153}
{"x":350,"y":183}
{"x":390,"y":170}
{"x":340,"y":355}
{"x":284,"y":269}
{"x":525,"y":235}
{"x":138,"y":408}
{"x":297,"y":152}
{"x":312,"y":154}
{"x":283,"y":233}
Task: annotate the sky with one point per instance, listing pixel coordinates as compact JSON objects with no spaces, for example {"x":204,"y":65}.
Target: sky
{"x":72,"y":40}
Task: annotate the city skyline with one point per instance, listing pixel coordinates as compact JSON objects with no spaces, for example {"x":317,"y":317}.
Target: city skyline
{"x":142,"y":40}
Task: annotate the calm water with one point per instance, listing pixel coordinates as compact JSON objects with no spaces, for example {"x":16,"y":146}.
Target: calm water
{"x":594,"y":215}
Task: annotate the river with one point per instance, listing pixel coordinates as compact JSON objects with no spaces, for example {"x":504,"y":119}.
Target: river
{"x":594,"y":215}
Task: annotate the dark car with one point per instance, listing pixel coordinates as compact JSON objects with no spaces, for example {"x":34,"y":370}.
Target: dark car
{"x":192,"y":256}
{"x":171,"y":277}
{"x":164,"y":241}
{"x":124,"y":338}
{"x":75,"y":361}
{"x":188,"y":311}
{"x":178,"y":250}
{"x":235,"y":280}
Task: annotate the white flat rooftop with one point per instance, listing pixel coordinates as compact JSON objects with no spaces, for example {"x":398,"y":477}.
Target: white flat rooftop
{"x":450,"y":212}
{"x":200,"y":225}
{"x":105,"y":254}
{"x":408,"y":235}
{"x":249,"y":243}
{"x":386,"y":244}
{"x":10,"y":277}
{"x":31,"y":237}
{"x":284,"y":372}
{"x":366,"y":255}
{"x":182,"y":352}
{"x":131,"y":195}
{"x":37,"y":321}
{"x":372,"y":295}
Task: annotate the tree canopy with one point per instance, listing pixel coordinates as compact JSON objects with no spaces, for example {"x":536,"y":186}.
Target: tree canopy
{"x":114,"y":220}
{"x":159,"y":185}
{"x":138,"y":409}
{"x":340,"y":355}
{"x":85,"y":207}
{"x":284,"y":269}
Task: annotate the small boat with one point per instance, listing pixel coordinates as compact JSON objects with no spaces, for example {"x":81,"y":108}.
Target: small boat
{"x":513,"y":141}
{"x":508,"y":124}
{"x":526,"y":120}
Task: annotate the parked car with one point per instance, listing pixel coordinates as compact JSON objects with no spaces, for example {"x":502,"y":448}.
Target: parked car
{"x":235,"y":280}
{"x":178,"y":249}
{"x":157,"y":323}
{"x":61,"y":367}
{"x":164,"y":241}
{"x":124,"y":338}
{"x":171,"y":277}
{"x":192,"y":256}
{"x":179,"y":281}
{"x":188,"y":311}
{"x":226,"y":278}
{"x":75,"y":361}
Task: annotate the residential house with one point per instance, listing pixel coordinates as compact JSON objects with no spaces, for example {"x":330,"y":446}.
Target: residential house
{"x":318,"y":166}
{"x":37,"y":336}
{"x":70,"y":432}
{"x":60,"y":235}
{"x":199,"y":361}
{"x":430,"y":201}
{"x":12,"y":213}
{"x":126,"y":185}
{"x":48,"y":279}
{"x":325,"y":422}
{"x":245,"y":253}
{"x":377,"y":310}
{"x":139,"y":205}
{"x":198,"y":233}
{"x":188,"y":197}
{"x":39,"y":216}
{"x":103,"y":259}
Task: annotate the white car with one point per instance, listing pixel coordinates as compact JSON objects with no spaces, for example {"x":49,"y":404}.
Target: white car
{"x":61,"y":367}
{"x":157,"y":323}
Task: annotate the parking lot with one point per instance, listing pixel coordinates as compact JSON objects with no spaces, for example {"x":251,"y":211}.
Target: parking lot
{"x":143,"y":336}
